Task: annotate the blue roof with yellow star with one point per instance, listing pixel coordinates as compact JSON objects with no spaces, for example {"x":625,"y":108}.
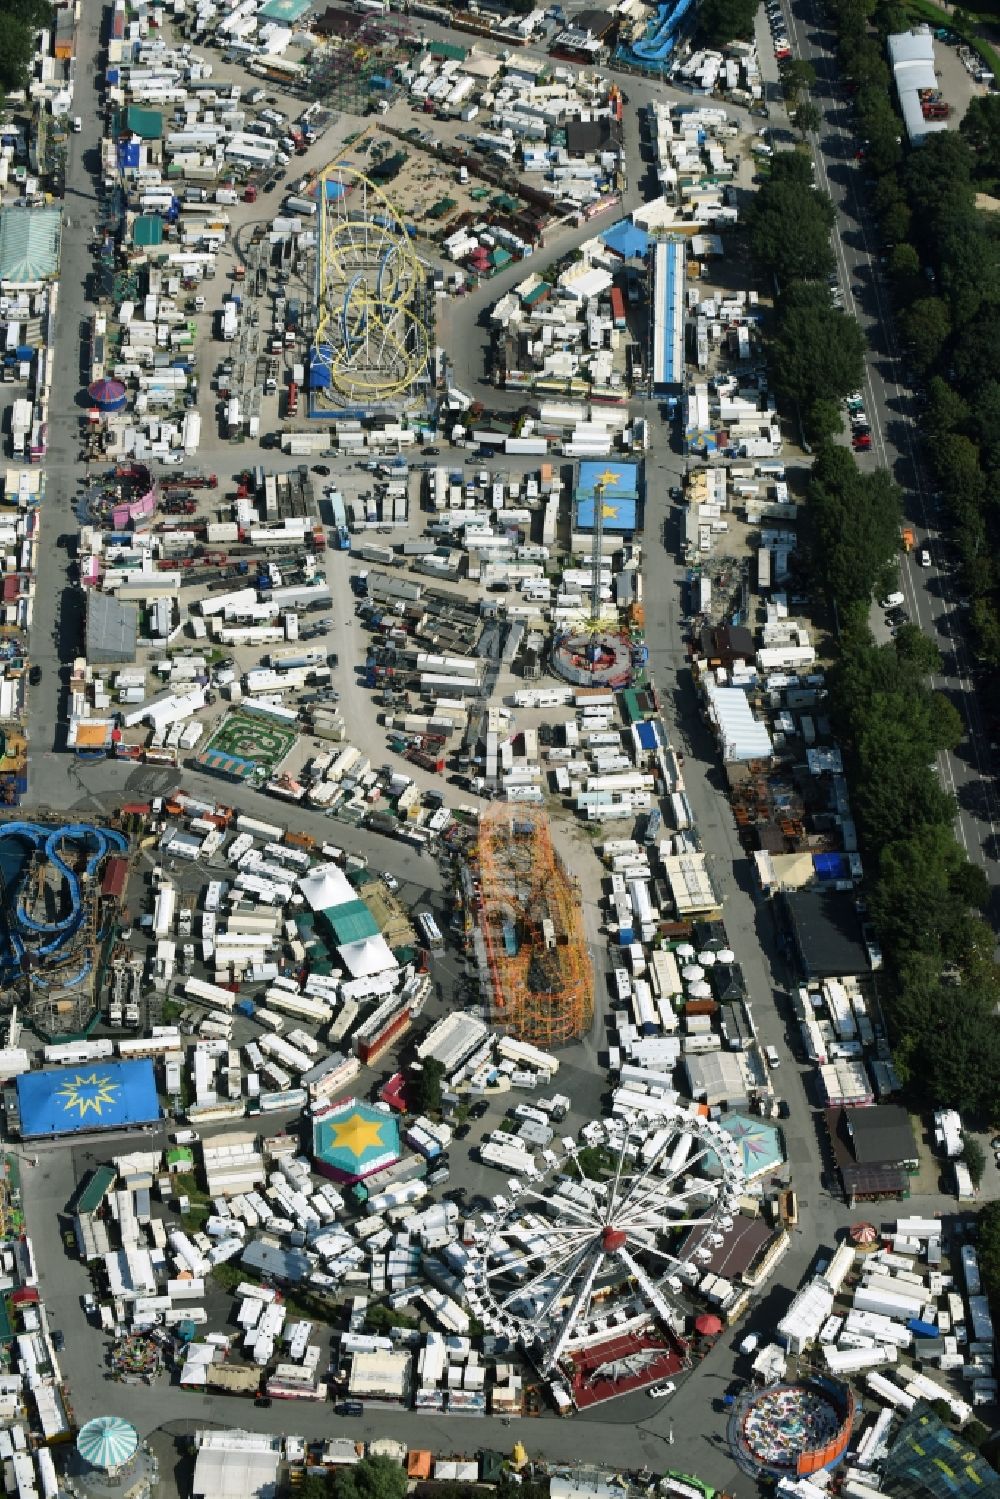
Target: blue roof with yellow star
{"x":618,"y":487}
{"x":354,"y":1139}
{"x":95,"y":1095}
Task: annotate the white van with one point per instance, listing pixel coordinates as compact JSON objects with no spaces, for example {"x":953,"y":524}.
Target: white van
{"x":773,"y":1060}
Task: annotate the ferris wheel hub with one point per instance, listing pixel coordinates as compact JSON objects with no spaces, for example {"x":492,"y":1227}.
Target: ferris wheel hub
{"x":613,"y":1239}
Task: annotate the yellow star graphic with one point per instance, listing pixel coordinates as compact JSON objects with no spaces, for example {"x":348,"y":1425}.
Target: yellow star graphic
{"x":87,"y":1092}
{"x":608,"y":477}
{"x":609,"y":511}
{"x":356,"y":1134}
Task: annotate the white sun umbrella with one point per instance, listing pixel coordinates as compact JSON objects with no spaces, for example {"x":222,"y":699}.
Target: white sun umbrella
{"x":693,"y":971}
{"x":725,"y":955}
{"x":684,"y":950}
{"x":707,"y":958}
{"x":700,"y":990}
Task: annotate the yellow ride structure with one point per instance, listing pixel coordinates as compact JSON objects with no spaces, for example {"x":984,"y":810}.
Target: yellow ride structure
{"x":370,"y":336}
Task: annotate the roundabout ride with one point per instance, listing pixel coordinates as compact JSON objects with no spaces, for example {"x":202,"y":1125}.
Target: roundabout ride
{"x":601,"y":1241}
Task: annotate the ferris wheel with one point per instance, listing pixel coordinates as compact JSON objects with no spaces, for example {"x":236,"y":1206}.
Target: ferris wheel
{"x":607,"y":1242}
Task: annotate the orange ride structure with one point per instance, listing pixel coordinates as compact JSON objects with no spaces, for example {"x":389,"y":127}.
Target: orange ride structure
{"x":538,"y":970}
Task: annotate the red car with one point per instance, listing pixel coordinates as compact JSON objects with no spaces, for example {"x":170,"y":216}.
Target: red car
{"x":862,"y":442}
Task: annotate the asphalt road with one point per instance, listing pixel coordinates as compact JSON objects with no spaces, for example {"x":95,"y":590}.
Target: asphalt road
{"x":58,"y":604}
{"x":932,"y":593}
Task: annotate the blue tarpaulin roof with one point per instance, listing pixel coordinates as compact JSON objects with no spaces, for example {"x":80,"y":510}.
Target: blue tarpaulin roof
{"x":648,"y":734}
{"x":619,"y":488}
{"x":831,"y":866}
{"x":96,"y":1095}
{"x":626,"y":239}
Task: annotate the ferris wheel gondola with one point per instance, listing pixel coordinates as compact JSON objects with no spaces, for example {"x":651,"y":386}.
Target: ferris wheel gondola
{"x":598,"y":1244}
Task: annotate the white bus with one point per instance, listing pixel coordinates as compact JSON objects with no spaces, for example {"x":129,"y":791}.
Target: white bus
{"x":430,"y":931}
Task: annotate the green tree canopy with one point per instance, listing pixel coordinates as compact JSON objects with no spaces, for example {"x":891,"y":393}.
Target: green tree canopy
{"x":981,"y":128}
{"x":808,"y":117}
{"x":722,"y":21}
{"x":918,"y":649}
{"x":797,"y":77}
{"x":16,"y":48}
{"x":854,"y":525}
{"x":371,"y":1478}
{"x":424,"y":1086}
{"x":926,"y":327}
{"x":920,"y":893}
{"x":818,"y":350}
{"x":787,"y":197}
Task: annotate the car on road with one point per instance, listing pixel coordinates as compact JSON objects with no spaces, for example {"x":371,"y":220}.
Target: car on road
{"x":924,"y":557}
{"x":862,"y":441}
{"x":430,"y":452}
{"x":35,"y":675}
{"x":892,"y":601}
{"x":771,"y":1053}
{"x":77,"y":124}
{"x":390,"y":881}
{"x":661,"y":1391}
{"x":58,"y":1341}
{"x":321,"y":468}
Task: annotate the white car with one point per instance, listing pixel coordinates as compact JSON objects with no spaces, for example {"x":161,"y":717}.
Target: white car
{"x":77,"y":124}
{"x":893,"y":601}
{"x":390,"y":881}
{"x":661,"y":1391}
{"x":924,"y":557}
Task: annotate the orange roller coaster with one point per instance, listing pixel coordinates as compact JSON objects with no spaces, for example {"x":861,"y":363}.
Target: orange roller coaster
{"x":539,"y":972}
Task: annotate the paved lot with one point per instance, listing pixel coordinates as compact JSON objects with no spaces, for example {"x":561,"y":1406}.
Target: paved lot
{"x":629,"y":1431}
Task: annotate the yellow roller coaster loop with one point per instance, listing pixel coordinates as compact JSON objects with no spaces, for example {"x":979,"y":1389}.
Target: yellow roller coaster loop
{"x":368,"y":334}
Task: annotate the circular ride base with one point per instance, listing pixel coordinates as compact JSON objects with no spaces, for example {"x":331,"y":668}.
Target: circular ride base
{"x":789,"y":1429}
{"x":599,"y":659}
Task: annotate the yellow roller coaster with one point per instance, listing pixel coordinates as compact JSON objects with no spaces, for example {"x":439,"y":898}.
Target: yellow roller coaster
{"x":370,"y":338}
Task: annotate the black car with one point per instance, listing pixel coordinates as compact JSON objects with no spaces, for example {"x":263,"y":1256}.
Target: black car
{"x":430,"y":452}
{"x":58,"y":1341}
{"x":320,"y":468}
{"x":35,"y":675}
{"x":263,"y":1401}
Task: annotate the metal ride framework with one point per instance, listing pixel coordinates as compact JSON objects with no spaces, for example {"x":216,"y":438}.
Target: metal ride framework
{"x":596,"y":653}
{"x":369,"y":336}
{"x":539,"y":970}
{"x":570,"y":1261}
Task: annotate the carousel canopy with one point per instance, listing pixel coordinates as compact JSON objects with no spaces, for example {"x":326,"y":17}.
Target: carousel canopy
{"x":758,"y":1142}
{"x":107,"y":1442}
{"x":107,"y":393}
